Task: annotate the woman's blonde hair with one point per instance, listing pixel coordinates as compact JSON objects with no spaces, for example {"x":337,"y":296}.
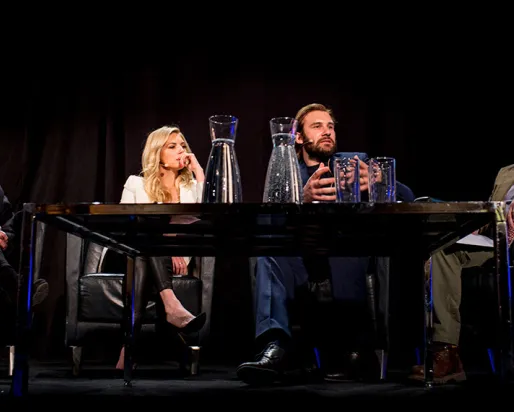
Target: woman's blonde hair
{"x":151,"y":164}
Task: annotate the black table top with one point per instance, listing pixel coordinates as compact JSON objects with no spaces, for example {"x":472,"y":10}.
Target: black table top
{"x":257,"y":229}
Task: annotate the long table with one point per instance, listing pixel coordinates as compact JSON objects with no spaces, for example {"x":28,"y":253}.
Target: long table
{"x":255,"y":229}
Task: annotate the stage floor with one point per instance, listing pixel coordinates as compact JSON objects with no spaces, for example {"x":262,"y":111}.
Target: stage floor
{"x":50,"y":382}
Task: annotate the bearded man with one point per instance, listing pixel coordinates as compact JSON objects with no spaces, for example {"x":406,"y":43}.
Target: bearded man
{"x":281,"y":280}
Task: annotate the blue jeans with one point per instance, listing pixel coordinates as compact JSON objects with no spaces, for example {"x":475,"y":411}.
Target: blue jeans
{"x":277,"y":278}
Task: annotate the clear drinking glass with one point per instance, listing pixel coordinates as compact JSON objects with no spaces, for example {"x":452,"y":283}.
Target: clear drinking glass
{"x":382,"y":180}
{"x":347,"y":178}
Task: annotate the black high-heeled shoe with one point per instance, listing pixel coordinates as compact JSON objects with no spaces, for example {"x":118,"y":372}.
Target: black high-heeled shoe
{"x":194,"y":325}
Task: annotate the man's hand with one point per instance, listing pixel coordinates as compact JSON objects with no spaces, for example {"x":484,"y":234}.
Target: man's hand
{"x":3,"y":240}
{"x":363,"y":175}
{"x":376,"y":171}
{"x":179,"y":266}
{"x":318,"y":188}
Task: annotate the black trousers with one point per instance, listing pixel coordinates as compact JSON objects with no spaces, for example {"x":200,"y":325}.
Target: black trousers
{"x":161,"y":272}
{"x":8,"y":298}
{"x":8,"y":281}
{"x":153,"y":275}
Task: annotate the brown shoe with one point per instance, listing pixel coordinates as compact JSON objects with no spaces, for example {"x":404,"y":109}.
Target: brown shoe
{"x":447,"y":365}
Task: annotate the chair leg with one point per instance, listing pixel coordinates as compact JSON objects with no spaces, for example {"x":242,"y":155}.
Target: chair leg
{"x":382,"y":360}
{"x":194,"y":363}
{"x":190,"y":361}
{"x":11,"y":359}
{"x":76,"y":359}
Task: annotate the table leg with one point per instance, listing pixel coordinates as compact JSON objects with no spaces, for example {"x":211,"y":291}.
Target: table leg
{"x":429,"y":325}
{"x":128,"y":312}
{"x":503,"y":343}
{"x":20,"y":375}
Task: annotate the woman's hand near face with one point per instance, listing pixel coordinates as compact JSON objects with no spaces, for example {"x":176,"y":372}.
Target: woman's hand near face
{"x":189,"y":160}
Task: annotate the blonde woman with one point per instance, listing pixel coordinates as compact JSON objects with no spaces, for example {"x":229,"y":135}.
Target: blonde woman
{"x":170,"y":174}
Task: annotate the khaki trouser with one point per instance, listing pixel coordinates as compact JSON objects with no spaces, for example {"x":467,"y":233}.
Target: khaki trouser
{"x":447,"y":268}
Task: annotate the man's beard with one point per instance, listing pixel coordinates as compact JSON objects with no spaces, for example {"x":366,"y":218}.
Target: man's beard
{"x":316,"y":152}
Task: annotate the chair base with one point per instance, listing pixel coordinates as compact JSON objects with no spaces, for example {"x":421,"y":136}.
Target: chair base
{"x":76,"y":360}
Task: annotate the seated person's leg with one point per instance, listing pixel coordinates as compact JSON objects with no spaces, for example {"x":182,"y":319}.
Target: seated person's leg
{"x":8,"y":298}
{"x":344,"y":326}
{"x":8,"y":282}
{"x":161,"y":269}
{"x":161,"y":272}
{"x":447,"y":268}
{"x":349,"y":278}
{"x":350,"y":295}
{"x":9,"y":285}
{"x":276,"y":281}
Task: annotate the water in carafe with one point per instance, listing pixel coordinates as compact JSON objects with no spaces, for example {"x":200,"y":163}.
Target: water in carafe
{"x":283,"y":179}
{"x":222,"y":176}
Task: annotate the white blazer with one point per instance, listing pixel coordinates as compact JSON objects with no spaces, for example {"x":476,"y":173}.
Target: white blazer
{"x":134,"y":192}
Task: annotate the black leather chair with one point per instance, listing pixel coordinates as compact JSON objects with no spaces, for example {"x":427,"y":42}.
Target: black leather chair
{"x":94,"y":309}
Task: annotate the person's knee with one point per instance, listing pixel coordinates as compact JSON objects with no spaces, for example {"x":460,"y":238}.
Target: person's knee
{"x":268,"y":265}
{"x":437,"y":260}
{"x":276,"y":275}
{"x":264,"y":260}
{"x":3,"y":260}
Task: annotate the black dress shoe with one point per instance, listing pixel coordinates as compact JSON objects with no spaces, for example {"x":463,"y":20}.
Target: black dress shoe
{"x":356,"y":366}
{"x":270,"y":365}
{"x":347,"y":370}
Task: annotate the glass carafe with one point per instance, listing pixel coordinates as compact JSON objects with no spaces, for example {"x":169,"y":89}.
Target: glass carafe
{"x":222,"y":177}
{"x":283,"y":179}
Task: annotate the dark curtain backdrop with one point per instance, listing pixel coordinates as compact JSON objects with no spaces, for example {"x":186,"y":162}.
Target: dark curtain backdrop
{"x":72,"y":128}
{"x":73,"y":131}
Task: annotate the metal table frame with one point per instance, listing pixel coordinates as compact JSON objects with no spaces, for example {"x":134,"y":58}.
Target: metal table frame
{"x":254,"y":229}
